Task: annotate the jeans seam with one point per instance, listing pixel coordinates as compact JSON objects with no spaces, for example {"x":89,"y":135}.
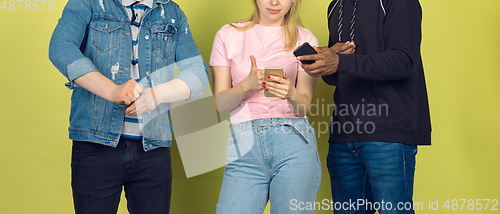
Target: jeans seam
{"x":404,"y":172}
{"x":363,"y":193}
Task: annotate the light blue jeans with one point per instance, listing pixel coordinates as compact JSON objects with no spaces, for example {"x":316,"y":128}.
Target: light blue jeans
{"x":273,"y":159}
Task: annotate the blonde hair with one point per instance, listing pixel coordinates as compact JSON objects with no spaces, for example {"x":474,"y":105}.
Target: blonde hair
{"x":290,"y":22}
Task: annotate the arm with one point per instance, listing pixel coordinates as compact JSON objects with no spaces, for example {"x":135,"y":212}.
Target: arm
{"x":103,"y":87}
{"x":189,"y":84}
{"x":64,"y":47}
{"x":193,"y":70}
{"x":65,"y":54}
{"x":331,"y":79}
{"x":402,"y":28}
{"x":402,"y":51}
{"x":299,"y":97}
{"x":227,"y":97}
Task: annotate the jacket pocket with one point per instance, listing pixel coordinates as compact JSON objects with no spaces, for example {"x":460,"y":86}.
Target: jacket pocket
{"x":163,"y":41}
{"x":105,"y":33}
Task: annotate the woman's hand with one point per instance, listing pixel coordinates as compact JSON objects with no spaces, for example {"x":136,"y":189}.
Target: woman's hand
{"x":280,"y":87}
{"x":253,"y":82}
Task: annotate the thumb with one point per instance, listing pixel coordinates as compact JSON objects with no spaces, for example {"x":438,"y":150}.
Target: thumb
{"x":254,"y":62}
{"x":285,"y":76}
{"x":139,"y":87}
{"x":321,"y":49}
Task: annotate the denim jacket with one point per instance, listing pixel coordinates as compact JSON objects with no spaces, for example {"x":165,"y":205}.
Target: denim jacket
{"x":95,"y":35}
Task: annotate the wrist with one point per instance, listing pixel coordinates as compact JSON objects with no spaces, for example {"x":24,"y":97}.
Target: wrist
{"x":110,"y":94}
{"x":243,"y":86}
{"x":292,"y":94}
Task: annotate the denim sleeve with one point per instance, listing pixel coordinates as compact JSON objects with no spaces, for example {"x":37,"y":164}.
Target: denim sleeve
{"x":64,"y":48}
{"x":193,"y":69}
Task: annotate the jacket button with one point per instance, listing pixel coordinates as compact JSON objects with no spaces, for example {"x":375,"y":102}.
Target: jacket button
{"x":146,"y":37}
{"x":147,"y":73}
{"x":150,"y":146}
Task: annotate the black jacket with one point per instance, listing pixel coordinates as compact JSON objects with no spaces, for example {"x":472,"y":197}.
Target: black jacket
{"x":380,"y":90}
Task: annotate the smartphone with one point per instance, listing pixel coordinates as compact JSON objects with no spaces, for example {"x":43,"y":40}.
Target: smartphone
{"x":305,"y":49}
{"x":272,"y":71}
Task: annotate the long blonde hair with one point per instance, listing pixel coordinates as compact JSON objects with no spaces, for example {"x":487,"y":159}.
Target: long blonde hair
{"x":290,"y":22}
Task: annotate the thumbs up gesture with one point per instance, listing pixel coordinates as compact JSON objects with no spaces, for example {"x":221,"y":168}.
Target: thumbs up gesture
{"x":255,"y":78}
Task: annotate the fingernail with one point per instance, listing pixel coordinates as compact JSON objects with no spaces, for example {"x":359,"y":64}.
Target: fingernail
{"x":263,"y":82}
{"x":264,"y":86}
{"x":269,"y":77}
{"x":267,"y":90}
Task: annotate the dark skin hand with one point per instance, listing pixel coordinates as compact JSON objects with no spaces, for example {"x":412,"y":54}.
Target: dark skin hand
{"x":327,"y":59}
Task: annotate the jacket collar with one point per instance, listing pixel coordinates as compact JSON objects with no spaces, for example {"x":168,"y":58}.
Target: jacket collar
{"x":162,"y":1}
{"x":148,"y":3}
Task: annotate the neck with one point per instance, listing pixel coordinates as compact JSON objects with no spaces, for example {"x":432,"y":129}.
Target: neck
{"x":270,"y":23}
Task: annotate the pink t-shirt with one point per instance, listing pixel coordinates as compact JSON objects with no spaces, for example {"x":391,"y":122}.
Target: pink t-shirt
{"x":232,"y":48}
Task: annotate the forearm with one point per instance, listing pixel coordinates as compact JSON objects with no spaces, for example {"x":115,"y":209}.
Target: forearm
{"x":228,"y":99}
{"x":299,"y":103}
{"x":386,"y":66}
{"x":172,"y":91}
{"x":98,"y":84}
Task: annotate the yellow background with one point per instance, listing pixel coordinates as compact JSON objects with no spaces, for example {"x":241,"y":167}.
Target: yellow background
{"x":461,"y":52}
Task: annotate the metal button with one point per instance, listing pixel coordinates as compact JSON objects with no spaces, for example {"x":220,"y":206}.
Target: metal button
{"x":150,"y":146}
{"x":147,"y":73}
{"x":146,"y":37}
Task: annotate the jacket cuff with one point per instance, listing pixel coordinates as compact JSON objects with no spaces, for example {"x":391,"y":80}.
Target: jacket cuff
{"x":77,"y":69}
{"x":345,"y":63}
{"x":194,"y":83}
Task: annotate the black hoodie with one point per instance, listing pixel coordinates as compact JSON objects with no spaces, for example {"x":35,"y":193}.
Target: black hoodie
{"x":380,"y":90}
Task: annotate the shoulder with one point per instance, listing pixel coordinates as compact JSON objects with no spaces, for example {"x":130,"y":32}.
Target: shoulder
{"x":305,"y":34}
{"x":171,"y":7}
{"x":169,"y":3}
{"x":229,"y":30}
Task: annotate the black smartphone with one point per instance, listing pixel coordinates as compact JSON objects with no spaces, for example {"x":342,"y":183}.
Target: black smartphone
{"x":305,"y":49}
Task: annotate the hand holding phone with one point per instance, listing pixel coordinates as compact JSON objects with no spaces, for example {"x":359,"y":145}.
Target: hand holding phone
{"x":305,"y":49}
{"x":272,"y":71}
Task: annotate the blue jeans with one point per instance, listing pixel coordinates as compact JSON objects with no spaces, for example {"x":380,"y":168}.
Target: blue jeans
{"x":372,"y":176}
{"x":273,"y":159}
{"x":99,"y":172}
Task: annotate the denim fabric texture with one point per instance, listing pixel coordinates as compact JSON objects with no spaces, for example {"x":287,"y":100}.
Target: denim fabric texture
{"x":99,"y":172}
{"x":377,"y":172}
{"x":94,"y":35}
{"x":273,"y":159}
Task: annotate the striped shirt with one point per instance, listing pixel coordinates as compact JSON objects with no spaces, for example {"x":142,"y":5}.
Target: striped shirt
{"x":132,"y":125}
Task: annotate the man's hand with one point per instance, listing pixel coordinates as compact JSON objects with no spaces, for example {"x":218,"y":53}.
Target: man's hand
{"x":327,"y":59}
{"x":339,"y":48}
{"x":126,"y":93}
